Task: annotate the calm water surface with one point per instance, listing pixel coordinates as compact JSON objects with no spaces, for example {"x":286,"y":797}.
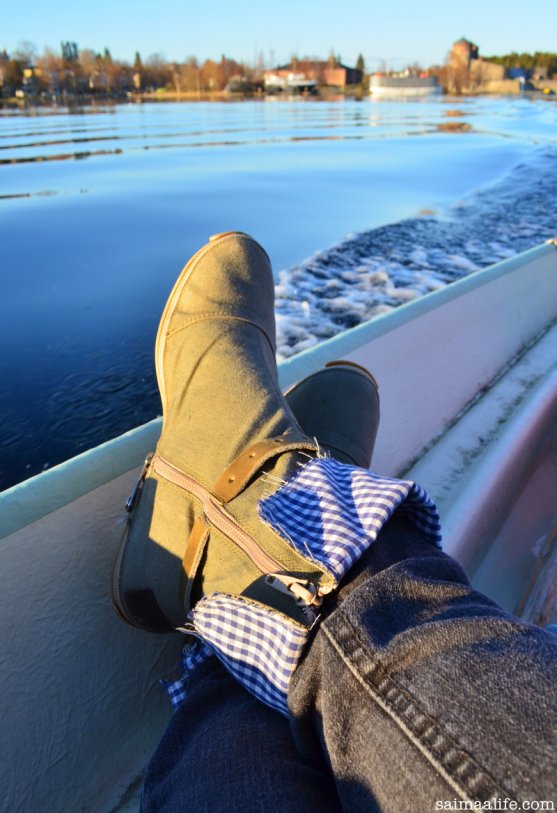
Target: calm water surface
{"x":101,"y":207}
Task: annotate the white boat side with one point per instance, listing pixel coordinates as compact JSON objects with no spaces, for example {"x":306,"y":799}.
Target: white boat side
{"x":293,"y":81}
{"x":404,"y":92}
{"x":468,"y":384}
{"x":405,"y":86}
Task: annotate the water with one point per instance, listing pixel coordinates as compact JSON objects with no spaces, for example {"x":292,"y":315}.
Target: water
{"x":101,"y":207}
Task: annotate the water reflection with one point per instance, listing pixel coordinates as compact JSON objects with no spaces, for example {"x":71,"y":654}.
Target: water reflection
{"x":158,"y":130}
{"x":454,"y":127}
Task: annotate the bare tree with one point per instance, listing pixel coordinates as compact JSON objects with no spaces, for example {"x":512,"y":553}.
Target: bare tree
{"x":26,"y":53}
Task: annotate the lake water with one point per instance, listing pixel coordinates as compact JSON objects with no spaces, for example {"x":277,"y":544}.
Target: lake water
{"x":361,"y":206}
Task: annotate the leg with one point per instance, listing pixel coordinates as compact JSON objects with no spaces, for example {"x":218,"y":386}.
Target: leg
{"x":419,"y":690}
{"x":388,"y":665}
{"x":224,"y":752}
{"x":222,"y":731}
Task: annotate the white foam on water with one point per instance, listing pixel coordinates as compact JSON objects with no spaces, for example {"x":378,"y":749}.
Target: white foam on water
{"x":377,"y":270}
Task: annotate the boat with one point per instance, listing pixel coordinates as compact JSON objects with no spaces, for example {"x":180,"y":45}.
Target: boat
{"x":468,"y":384}
{"x":291,"y":83}
{"x":403,"y":85}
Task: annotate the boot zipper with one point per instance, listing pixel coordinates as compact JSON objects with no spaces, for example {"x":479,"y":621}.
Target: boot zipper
{"x":304,"y":592}
{"x":132,"y":499}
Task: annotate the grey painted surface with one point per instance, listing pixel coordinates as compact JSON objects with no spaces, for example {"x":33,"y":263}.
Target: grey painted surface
{"x":404,"y":82}
{"x":512,"y":487}
{"x":82,"y":709}
{"x":493,"y":475}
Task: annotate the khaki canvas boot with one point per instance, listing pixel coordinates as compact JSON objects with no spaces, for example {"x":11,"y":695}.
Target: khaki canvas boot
{"x":228,"y":440}
{"x":242,"y":527}
{"x":338,"y":406}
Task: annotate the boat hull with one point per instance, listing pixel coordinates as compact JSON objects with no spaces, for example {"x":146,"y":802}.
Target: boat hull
{"x":404,"y":92}
{"x":391,"y":87}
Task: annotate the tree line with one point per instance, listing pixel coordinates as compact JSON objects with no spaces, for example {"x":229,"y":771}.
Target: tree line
{"x":76,"y":71}
{"x":84,"y":71}
{"x":539,"y":59}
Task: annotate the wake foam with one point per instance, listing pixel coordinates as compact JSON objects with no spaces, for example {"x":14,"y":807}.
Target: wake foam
{"x":372,"y":272}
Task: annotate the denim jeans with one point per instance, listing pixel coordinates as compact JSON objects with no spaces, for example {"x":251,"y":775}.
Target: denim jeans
{"x":415,"y":690}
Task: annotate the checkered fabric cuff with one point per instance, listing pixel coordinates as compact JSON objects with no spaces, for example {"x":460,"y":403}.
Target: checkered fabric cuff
{"x":330,"y":513}
{"x":258,"y":646}
{"x":193,"y":655}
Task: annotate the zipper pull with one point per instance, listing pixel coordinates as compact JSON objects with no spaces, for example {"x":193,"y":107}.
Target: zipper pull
{"x":304,"y":592}
{"x":132,"y":499}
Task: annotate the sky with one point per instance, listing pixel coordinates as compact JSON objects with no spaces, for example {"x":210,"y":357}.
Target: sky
{"x":397,"y":32}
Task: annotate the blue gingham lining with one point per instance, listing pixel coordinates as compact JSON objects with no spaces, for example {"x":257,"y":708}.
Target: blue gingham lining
{"x":258,"y":646}
{"x":330,"y":513}
{"x":193,"y":655}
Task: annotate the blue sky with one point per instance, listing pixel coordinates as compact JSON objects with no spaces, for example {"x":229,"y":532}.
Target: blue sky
{"x":397,"y":31}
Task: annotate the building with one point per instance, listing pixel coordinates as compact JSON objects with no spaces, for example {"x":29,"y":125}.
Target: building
{"x":330,"y":73}
{"x":482,"y":71}
{"x":463,"y":53}
{"x":468,"y":73}
{"x":540,"y":72}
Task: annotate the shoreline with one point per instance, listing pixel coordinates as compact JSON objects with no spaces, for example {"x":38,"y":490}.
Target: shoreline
{"x":162,"y":96}
{"x":324,"y":94}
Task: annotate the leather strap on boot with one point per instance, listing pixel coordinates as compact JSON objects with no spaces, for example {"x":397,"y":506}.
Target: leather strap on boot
{"x":194,"y":547}
{"x":237,"y":475}
{"x":192,"y":556}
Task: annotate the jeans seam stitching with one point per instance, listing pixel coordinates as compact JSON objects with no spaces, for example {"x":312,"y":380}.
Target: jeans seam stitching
{"x":380,"y":691}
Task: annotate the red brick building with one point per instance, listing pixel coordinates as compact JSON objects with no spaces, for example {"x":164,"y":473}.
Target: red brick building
{"x":331,"y":72}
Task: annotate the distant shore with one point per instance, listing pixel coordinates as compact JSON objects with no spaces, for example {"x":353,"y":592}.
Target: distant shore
{"x":507,"y":87}
{"x":173,"y":96}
